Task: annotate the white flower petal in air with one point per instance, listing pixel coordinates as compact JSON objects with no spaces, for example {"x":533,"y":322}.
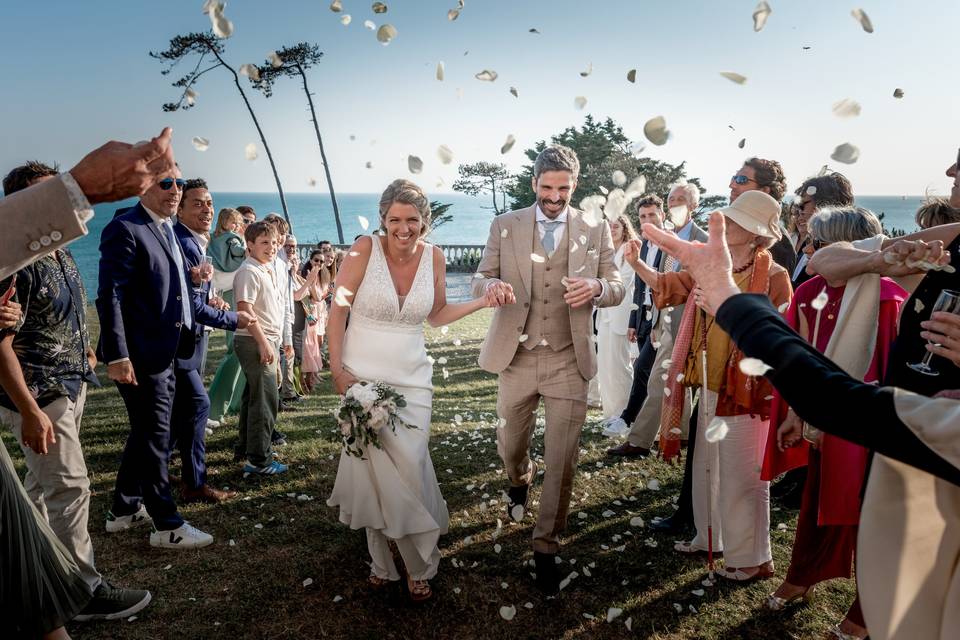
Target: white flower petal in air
{"x":580,"y":102}
{"x":379,"y":7}
{"x":632,"y":75}
{"x":537,"y":257}
{"x":312,"y":182}
{"x":523,"y":338}
{"x":898,"y":93}
{"x":754,"y":366}
{"x":678,"y":214}
{"x":250,"y":70}
{"x":504,"y":233}
{"x":760,"y":15}
{"x":191,"y":96}
{"x":370,"y":24}
{"x":846,"y":153}
{"x":415,"y":164}
{"x":717,"y":430}
{"x":440,"y":71}
{"x":209,"y":5}
{"x":445,"y":154}
{"x":619,"y":178}
{"x":846,"y":108}
{"x":861,"y":16}
{"x":200,"y":144}
{"x":453,"y":14}
{"x":514,"y":92}
{"x":386,"y":33}
{"x":250,"y":151}
{"x":222,"y":26}
{"x":783,"y":307}
{"x":656,"y":131}
{"x":734,"y":77}
{"x":507,"y":613}
{"x":587,"y":71}
{"x":613,"y":613}
{"x":364,"y":223}
{"x":345,"y":19}
{"x":918,"y":305}
{"x":368,"y":165}
{"x":342,"y":297}
{"x":742,"y":143}
{"x":820,"y":301}
{"x":274,"y":59}
{"x":486,"y":75}
{"x":508,"y":144}
{"x":336,"y":6}
{"x":637,"y":187}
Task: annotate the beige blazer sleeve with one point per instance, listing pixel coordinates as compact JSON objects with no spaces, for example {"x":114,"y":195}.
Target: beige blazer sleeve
{"x":489,"y":268}
{"x":38,"y":221}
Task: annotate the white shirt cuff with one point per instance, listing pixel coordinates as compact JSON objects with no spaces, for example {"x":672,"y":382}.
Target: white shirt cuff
{"x":120,"y":360}
{"x":77,"y":198}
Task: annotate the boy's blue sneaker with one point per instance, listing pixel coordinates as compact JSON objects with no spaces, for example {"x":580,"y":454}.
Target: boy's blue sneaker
{"x":271,"y":469}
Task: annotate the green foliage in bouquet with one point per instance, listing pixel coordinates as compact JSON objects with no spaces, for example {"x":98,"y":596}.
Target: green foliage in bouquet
{"x":366,"y":409}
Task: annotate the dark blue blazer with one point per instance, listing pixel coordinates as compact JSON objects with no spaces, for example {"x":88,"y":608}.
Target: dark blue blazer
{"x":638,"y":316}
{"x":139,"y":296}
{"x":204,"y":313}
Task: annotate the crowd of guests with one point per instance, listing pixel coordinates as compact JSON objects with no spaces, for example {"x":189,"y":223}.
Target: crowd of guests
{"x":674,"y":368}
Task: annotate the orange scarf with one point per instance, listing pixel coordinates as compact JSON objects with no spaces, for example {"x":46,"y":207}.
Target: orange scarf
{"x":739,"y":393}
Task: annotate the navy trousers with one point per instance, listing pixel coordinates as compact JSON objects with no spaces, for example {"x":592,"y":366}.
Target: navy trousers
{"x":142,"y":476}
{"x":191,"y":408}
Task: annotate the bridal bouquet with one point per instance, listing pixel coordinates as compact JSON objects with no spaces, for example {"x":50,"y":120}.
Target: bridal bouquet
{"x":366,"y":408}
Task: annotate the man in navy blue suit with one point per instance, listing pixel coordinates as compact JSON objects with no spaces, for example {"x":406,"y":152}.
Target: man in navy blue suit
{"x":191,"y":405}
{"x":147,"y":321}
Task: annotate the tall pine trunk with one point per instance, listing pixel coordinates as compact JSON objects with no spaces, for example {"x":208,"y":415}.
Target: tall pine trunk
{"x":323,"y":155}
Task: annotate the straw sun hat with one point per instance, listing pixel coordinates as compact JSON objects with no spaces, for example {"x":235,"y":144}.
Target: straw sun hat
{"x":756,"y":212}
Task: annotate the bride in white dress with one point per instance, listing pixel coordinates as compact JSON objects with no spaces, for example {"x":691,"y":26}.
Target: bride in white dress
{"x":393,"y":283}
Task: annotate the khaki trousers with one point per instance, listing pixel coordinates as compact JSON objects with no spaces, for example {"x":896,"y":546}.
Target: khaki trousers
{"x":645,"y":428}
{"x":555,"y":377}
{"x":57,"y":482}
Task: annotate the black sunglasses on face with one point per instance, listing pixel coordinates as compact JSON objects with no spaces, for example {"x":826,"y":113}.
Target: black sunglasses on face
{"x":742,"y":179}
{"x":166,"y":183}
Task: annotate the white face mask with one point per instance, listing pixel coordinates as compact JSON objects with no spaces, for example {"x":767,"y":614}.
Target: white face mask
{"x":678,"y":215}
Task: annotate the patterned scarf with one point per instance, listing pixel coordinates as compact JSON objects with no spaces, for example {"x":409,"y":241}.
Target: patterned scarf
{"x":672,"y":406}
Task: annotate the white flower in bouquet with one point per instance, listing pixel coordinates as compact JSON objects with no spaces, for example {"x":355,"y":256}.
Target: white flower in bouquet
{"x":379,"y":417}
{"x":365,"y":394}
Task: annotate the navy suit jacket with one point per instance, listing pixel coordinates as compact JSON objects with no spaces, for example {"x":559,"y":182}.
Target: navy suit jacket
{"x":638,"y":316}
{"x":139,"y":295}
{"x":204,"y":313}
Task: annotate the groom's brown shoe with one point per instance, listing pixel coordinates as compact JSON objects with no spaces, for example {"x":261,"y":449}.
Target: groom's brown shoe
{"x":517,"y":497}
{"x":548,"y":578}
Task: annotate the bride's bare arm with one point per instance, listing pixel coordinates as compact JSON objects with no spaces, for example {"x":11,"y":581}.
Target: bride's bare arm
{"x":442,"y":312}
{"x":348,"y":281}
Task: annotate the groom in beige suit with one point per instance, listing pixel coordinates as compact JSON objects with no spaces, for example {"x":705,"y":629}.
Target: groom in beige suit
{"x":556,"y":265}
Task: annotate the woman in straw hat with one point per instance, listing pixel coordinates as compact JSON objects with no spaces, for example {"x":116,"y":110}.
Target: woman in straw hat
{"x":731,"y":502}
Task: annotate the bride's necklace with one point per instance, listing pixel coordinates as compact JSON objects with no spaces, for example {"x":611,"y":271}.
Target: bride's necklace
{"x":403,"y":260}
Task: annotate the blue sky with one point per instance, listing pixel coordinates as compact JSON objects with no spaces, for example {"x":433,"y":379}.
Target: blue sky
{"x":78,"y":74}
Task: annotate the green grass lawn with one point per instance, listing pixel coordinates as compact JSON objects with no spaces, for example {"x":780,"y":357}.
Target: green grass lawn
{"x":279,"y":535}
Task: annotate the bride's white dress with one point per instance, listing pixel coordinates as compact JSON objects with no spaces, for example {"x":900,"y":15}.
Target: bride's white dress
{"x":393,"y":492}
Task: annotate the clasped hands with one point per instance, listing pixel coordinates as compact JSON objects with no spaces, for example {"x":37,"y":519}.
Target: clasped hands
{"x":580,"y":291}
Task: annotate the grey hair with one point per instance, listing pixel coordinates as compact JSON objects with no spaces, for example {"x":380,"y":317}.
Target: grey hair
{"x":405,"y":192}
{"x":690,"y":190}
{"x":844,"y":224}
{"x":556,"y":157}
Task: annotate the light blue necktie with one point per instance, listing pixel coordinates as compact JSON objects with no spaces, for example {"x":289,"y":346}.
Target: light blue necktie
{"x":174,"y":247}
{"x":549,"y":242}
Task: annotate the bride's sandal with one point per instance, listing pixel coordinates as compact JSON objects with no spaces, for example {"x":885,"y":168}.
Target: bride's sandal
{"x":377,"y":582}
{"x":419,"y":590}
{"x":776,"y":603}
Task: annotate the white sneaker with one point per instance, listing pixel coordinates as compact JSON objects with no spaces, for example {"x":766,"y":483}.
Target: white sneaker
{"x":122,"y":523}
{"x":615,"y":427}
{"x":183,"y":537}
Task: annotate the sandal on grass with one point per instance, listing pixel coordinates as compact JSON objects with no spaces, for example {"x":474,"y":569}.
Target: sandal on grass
{"x":377,"y":582}
{"x":687,"y":547}
{"x":739,"y":575}
{"x":419,"y":590}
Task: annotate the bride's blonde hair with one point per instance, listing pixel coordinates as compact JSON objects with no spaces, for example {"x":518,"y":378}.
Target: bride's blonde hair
{"x":405,"y":192}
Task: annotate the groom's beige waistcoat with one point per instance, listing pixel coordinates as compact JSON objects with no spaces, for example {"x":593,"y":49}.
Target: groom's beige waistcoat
{"x":585,"y":249}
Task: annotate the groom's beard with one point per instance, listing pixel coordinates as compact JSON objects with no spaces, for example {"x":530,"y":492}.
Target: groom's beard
{"x":557,"y":205}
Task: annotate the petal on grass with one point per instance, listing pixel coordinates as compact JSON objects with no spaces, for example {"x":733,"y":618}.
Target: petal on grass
{"x":507,"y":612}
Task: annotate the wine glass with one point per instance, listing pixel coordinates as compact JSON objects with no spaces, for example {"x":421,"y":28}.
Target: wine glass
{"x":206,"y":268}
{"x":949,"y":302}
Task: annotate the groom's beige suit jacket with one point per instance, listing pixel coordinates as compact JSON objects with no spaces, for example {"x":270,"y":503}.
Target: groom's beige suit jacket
{"x":507,"y":258}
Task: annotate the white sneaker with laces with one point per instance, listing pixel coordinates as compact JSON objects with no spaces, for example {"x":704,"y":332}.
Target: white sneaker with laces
{"x":185,"y":536}
{"x":122,"y":523}
{"x":616,"y":427}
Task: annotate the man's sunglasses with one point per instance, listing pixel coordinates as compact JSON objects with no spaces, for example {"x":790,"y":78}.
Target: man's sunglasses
{"x":166,"y":183}
{"x":742,"y":179}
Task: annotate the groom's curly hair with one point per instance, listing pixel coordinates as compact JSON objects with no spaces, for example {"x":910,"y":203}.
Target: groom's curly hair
{"x":557,"y":157}
{"x":405,"y":192}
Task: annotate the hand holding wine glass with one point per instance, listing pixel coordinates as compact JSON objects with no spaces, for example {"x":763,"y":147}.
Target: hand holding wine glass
{"x":942,"y":332}
{"x":206,"y":269}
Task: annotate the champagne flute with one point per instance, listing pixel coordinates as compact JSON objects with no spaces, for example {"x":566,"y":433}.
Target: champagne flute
{"x":949,"y":302}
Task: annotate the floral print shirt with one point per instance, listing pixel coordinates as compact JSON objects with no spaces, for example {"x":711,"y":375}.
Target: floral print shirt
{"x":51,"y":338}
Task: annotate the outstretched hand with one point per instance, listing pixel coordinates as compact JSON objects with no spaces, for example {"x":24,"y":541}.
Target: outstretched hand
{"x":709,"y":264}
{"x":118,"y":170}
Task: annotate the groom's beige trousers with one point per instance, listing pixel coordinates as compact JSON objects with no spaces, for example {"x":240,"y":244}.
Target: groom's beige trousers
{"x":554,"y":376}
